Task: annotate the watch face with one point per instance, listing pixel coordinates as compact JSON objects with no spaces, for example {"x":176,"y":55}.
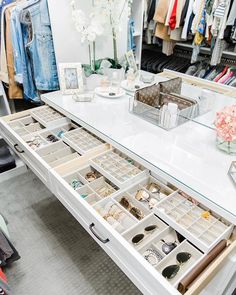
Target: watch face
{"x":168,"y":247}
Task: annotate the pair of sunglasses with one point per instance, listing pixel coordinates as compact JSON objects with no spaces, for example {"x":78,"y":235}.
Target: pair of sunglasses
{"x":171,"y":271}
{"x":136,"y":212}
{"x":139,"y":237}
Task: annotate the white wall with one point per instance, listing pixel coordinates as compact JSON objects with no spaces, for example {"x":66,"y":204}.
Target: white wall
{"x":67,"y":43}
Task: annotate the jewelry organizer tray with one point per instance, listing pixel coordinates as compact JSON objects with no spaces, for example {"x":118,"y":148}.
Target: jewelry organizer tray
{"x":47,"y":136}
{"x":118,"y":167}
{"x":48,"y":117}
{"x":147,"y":193}
{"x":156,"y":116}
{"x":199,"y":225}
{"x":82,"y":140}
{"x":151,"y":246}
{"x":26,"y":125}
{"x":38,"y":135}
{"x":156,"y":246}
{"x":57,"y":153}
{"x":90,"y":184}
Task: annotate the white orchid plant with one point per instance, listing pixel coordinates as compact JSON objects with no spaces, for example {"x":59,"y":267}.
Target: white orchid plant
{"x":89,"y":28}
{"x":110,"y":14}
{"x":104,"y":19}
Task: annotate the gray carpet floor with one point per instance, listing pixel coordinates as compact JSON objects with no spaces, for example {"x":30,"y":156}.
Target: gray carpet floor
{"x":57,"y":254}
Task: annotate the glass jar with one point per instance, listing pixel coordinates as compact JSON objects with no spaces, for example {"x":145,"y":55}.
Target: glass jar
{"x":227,"y":146}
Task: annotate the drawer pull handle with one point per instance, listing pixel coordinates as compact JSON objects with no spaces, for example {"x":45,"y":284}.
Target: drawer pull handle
{"x":16,"y":146}
{"x":91,"y":227}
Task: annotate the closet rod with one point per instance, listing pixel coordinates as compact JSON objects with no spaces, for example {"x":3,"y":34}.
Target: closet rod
{"x":206,"y":50}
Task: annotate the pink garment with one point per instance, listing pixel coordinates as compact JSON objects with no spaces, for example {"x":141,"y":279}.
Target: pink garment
{"x":221,"y":74}
{"x":226,"y":77}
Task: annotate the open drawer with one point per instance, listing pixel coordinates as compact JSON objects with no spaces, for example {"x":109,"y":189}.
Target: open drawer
{"x":13,"y":128}
{"x":37,"y":137}
{"x":114,"y":225}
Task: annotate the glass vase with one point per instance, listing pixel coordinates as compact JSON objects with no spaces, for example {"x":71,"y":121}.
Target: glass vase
{"x":227,"y":146}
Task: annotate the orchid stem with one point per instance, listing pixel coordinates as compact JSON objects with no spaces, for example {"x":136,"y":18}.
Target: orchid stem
{"x":90,"y":57}
{"x":94,"y":58}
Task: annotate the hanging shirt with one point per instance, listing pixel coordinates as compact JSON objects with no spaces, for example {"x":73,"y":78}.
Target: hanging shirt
{"x":232,"y":15}
{"x":3,"y":4}
{"x":161,"y":11}
{"x":187,"y":20}
{"x":172,"y":21}
{"x":14,"y":90}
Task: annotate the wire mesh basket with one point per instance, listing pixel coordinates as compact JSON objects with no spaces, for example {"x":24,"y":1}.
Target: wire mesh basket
{"x":162,"y":117}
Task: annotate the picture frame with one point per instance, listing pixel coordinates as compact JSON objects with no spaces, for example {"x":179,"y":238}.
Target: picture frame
{"x":131,"y":61}
{"x":71,"y":78}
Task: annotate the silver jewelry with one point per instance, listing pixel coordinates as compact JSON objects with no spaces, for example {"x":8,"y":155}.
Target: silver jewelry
{"x":152,"y":256}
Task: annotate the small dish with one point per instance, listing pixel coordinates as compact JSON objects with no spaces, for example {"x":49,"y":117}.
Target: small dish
{"x":110,"y":92}
{"x":136,"y":85}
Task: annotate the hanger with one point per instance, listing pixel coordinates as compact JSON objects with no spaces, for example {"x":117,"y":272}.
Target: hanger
{"x":30,"y":5}
{"x":24,"y":11}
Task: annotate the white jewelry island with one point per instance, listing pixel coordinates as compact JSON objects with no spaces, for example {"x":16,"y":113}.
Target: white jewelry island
{"x":129,"y":155}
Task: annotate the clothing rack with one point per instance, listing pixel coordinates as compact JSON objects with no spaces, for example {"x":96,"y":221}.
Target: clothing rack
{"x":207,"y":50}
{"x":203,"y":34}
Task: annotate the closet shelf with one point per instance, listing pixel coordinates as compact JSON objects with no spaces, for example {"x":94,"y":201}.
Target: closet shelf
{"x":206,"y":50}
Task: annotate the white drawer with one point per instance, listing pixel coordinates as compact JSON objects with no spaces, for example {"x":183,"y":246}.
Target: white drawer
{"x":31,"y":159}
{"x":139,"y":270}
{"x":118,"y":245}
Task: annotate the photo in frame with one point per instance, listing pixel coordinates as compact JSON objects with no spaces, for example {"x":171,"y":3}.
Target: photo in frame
{"x":71,"y":78}
{"x":131,"y":61}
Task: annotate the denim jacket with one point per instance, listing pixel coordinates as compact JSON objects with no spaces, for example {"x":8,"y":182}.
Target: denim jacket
{"x":34,"y":60}
{"x":41,"y":48}
{"x":23,"y":72}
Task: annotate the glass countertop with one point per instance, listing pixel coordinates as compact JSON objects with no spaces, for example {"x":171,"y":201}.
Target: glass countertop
{"x":186,"y":156}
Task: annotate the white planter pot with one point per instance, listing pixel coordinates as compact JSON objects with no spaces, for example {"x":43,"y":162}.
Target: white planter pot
{"x":119,"y":72}
{"x":93,"y":81}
